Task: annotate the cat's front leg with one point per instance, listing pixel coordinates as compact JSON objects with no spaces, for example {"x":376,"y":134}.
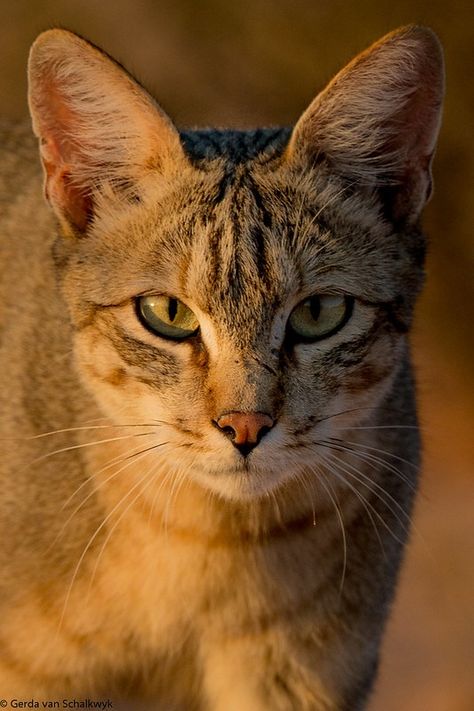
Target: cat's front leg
{"x":256,"y":674}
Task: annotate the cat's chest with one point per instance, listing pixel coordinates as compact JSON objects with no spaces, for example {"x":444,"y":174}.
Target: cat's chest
{"x":152,"y":573}
{"x":161,"y":582}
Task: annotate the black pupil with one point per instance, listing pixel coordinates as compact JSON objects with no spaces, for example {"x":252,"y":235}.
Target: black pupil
{"x":172,"y":308}
{"x":315,"y":307}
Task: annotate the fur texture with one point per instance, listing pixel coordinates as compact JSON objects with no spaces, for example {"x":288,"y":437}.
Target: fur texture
{"x":145,"y":557}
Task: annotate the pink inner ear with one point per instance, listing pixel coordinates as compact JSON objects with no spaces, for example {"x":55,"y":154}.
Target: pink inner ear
{"x":67,"y":198}
{"x":59,"y":154}
{"x":378,"y":120}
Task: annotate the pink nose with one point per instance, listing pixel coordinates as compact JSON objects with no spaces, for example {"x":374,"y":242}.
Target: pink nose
{"x":245,"y":429}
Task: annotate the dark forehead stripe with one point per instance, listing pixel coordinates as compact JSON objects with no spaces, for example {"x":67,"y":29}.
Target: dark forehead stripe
{"x":235,"y":146}
{"x":243,"y":249}
{"x":238,"y":264}
{"x":250,"y":224}
{"x":264,"y":222}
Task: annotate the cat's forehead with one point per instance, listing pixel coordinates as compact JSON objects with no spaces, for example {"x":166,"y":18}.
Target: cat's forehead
{"x":233,"y":254}
{"x":251,"y":235}
{"x":234,"y":146}
{"x":237,"y":233}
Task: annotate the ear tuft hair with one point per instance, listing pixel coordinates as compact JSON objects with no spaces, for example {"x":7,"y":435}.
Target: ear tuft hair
{"x":95,"y":124}
{"x":377,"y":121}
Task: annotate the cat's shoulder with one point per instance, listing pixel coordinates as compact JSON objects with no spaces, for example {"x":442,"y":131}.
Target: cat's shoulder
{"x":26,"y":225}
{"x":21,"y":175}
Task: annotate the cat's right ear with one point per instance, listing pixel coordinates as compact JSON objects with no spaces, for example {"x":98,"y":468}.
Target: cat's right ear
{"x":377,"y":122}
{"x":95,"y":123}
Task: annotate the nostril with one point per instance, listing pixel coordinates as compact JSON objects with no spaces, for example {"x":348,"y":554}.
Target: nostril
{"x":228,"y":431}
{"x":244,"y":429}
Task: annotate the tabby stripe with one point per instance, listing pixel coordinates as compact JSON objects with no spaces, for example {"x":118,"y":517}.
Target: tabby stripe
{"x":234,"y":268}
{"x":215,"y":258}
{"x":258,"y":236}
{"x":135,"y":352}
{"x":394,"y":311}
{"x":359,"y":347}
{"x":223,"y":187}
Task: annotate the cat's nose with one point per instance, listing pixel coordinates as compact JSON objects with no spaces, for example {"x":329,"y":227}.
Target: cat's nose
{"x":245,"y":429}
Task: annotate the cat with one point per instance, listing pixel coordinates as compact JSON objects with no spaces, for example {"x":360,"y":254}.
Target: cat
{"x":209,"y":430}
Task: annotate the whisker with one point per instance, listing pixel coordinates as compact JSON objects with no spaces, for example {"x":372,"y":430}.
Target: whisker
{"x":380,"y":427}
{"x":180,"y":476}
{"x":276,"y":508}
{"x":337,"y":508}
{"x":118,"y":459}
{"x":176,"y":487}
{"x":368,"y":483}
{"x":169,"y":475}
{"x":163,"y":422}
{"x":83,"y":446}
{"x":310,"y":492}
{"x":369,"y":508}
{"x":70,"y":429}
{"x":381,"y":451}
{"x":344,"y":412}
{"x":136,"y":457}
{"x":371,"y":460}
{"x":173,"y":476}
{"x":410,"y":523}
{"x":151,"y":472}
{"x":89,"y":544}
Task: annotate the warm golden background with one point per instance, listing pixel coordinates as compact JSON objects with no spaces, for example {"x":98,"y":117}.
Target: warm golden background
{"x":240,"y":63}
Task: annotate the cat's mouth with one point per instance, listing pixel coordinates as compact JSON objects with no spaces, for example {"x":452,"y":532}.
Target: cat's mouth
{"x":242,"y":480}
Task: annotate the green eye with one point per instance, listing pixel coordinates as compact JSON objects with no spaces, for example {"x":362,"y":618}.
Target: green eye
{"x":320,"y":316}
{"x":166,"y":316}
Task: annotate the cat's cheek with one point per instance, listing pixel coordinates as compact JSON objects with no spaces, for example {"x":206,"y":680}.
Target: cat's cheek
{"x":107,"y":377}
{"x":378,"y":369}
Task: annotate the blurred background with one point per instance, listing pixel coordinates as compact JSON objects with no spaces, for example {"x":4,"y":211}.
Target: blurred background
{"x":239,"y":63}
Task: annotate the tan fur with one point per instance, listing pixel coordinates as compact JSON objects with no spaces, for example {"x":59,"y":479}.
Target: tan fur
{"x":144,"y":557}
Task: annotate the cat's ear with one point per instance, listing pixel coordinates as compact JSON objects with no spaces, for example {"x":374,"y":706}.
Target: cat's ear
{"x":377,"y":122}
{"x":95,"y":124}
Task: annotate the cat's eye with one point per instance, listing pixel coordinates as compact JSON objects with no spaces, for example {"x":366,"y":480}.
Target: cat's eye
{"x":320,"y":316}
{"x":167,"y":317}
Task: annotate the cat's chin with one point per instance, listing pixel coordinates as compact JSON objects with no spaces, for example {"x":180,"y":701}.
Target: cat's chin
{"x":240,"y":484}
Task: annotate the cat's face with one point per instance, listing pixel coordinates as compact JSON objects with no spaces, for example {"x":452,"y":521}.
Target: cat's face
{"x":290,"y":272}
{"x":243,"y":259}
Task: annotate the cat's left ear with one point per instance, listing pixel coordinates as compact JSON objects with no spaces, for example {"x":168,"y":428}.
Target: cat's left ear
{"x":96,"y":126}
{"x":377,"y":122}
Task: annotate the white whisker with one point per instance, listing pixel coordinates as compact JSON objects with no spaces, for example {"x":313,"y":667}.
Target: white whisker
{"x":374,"y":488}
{"x":89,"y":544}
{"x":132,"y":459}
{"x":335,"y":502}
{"x":370,"y":459}
{"x":150,"y":473}
{"x":84,"y":445}
{"x":369,"y":508}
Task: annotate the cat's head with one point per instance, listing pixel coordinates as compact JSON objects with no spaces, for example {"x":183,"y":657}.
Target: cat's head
{"x":247,"y":292}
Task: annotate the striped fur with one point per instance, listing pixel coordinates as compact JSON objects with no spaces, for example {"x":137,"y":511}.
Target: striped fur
{"x":147,"y":558}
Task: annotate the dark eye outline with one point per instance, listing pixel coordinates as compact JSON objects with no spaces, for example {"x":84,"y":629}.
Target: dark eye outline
{"x":294,"y":337}
{"x":149,"y":327}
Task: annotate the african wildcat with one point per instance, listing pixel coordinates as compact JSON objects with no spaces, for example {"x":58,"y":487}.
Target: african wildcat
{"x":208,"y":420}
